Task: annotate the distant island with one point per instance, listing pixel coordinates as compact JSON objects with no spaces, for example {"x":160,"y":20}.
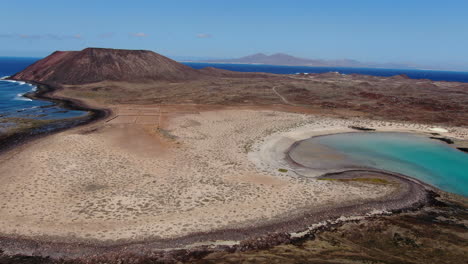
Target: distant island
{"x":288,"y":60}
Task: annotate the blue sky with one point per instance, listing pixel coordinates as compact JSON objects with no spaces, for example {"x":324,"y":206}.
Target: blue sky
{"x":430,"y":32}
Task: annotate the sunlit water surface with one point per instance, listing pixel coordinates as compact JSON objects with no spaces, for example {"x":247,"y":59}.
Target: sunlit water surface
{"x":417,"y":156}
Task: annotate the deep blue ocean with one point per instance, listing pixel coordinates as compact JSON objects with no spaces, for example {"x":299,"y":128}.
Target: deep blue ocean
{"x":14,"y":104}
{"x":451,"y":76}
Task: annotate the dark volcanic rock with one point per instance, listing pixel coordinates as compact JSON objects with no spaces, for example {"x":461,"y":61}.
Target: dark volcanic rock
{"x":97,"y":64}
{"x":446,"y":140}
{"x":362,"y":128}
{"x":464,"y":149}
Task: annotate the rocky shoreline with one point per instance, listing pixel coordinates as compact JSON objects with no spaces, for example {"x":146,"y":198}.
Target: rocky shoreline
{"x":276,"y":234}
{"x":44,"y":92}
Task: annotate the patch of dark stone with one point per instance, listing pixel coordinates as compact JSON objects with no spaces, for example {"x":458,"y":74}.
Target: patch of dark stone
{"x":463,"y":149}
{"x":361,"y":128}
{"x":17,"y":259}
{"x":446,"y":140}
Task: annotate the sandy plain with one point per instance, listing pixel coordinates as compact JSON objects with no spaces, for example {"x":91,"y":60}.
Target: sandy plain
{"x":163,"y":172}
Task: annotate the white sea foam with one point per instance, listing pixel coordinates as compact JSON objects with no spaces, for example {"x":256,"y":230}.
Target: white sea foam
{"x":13,"y":81}
{"x":20,"y":97}
{"x":33,"y":87}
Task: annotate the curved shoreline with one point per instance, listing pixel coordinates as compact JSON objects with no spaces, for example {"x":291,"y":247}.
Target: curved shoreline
{"x":416,"y":196}
{"x":349,"y":167}
{"x":45,"y":92}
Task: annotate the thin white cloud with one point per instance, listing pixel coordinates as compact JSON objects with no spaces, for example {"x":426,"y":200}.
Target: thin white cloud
{"x":204,"y":35}
{"x":139,"y":34}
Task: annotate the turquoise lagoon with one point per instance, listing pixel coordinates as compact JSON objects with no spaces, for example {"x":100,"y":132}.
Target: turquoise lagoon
{"x":428,"y":160}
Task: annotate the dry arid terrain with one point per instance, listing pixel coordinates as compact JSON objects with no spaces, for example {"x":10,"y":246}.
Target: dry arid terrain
{"x":182,"y":177}
{"x":131,"y":178}
{"x":385,"y":98}
{"x":195,"y":169}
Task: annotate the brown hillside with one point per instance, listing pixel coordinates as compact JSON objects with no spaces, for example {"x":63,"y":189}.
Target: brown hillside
{"x":215,"y":72}
{"x":97,"y":64}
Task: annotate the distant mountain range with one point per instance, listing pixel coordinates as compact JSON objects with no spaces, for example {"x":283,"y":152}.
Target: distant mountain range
{"x":285,"y":59}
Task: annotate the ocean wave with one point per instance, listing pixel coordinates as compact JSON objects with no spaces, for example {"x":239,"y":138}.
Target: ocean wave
{"x":4,"y":77}
{"x":33,"y":87}
{"x":20,"y":97}
{"x":13,"y":81}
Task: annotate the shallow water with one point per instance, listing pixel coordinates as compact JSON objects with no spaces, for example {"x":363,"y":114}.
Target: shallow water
{"x":428,"y":160}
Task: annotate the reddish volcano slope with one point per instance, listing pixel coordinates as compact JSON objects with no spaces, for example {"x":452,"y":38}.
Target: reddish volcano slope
{"x":97,"y":64}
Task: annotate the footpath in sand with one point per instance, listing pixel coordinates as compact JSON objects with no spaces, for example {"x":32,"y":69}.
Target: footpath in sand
{"x":158,"y":173}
